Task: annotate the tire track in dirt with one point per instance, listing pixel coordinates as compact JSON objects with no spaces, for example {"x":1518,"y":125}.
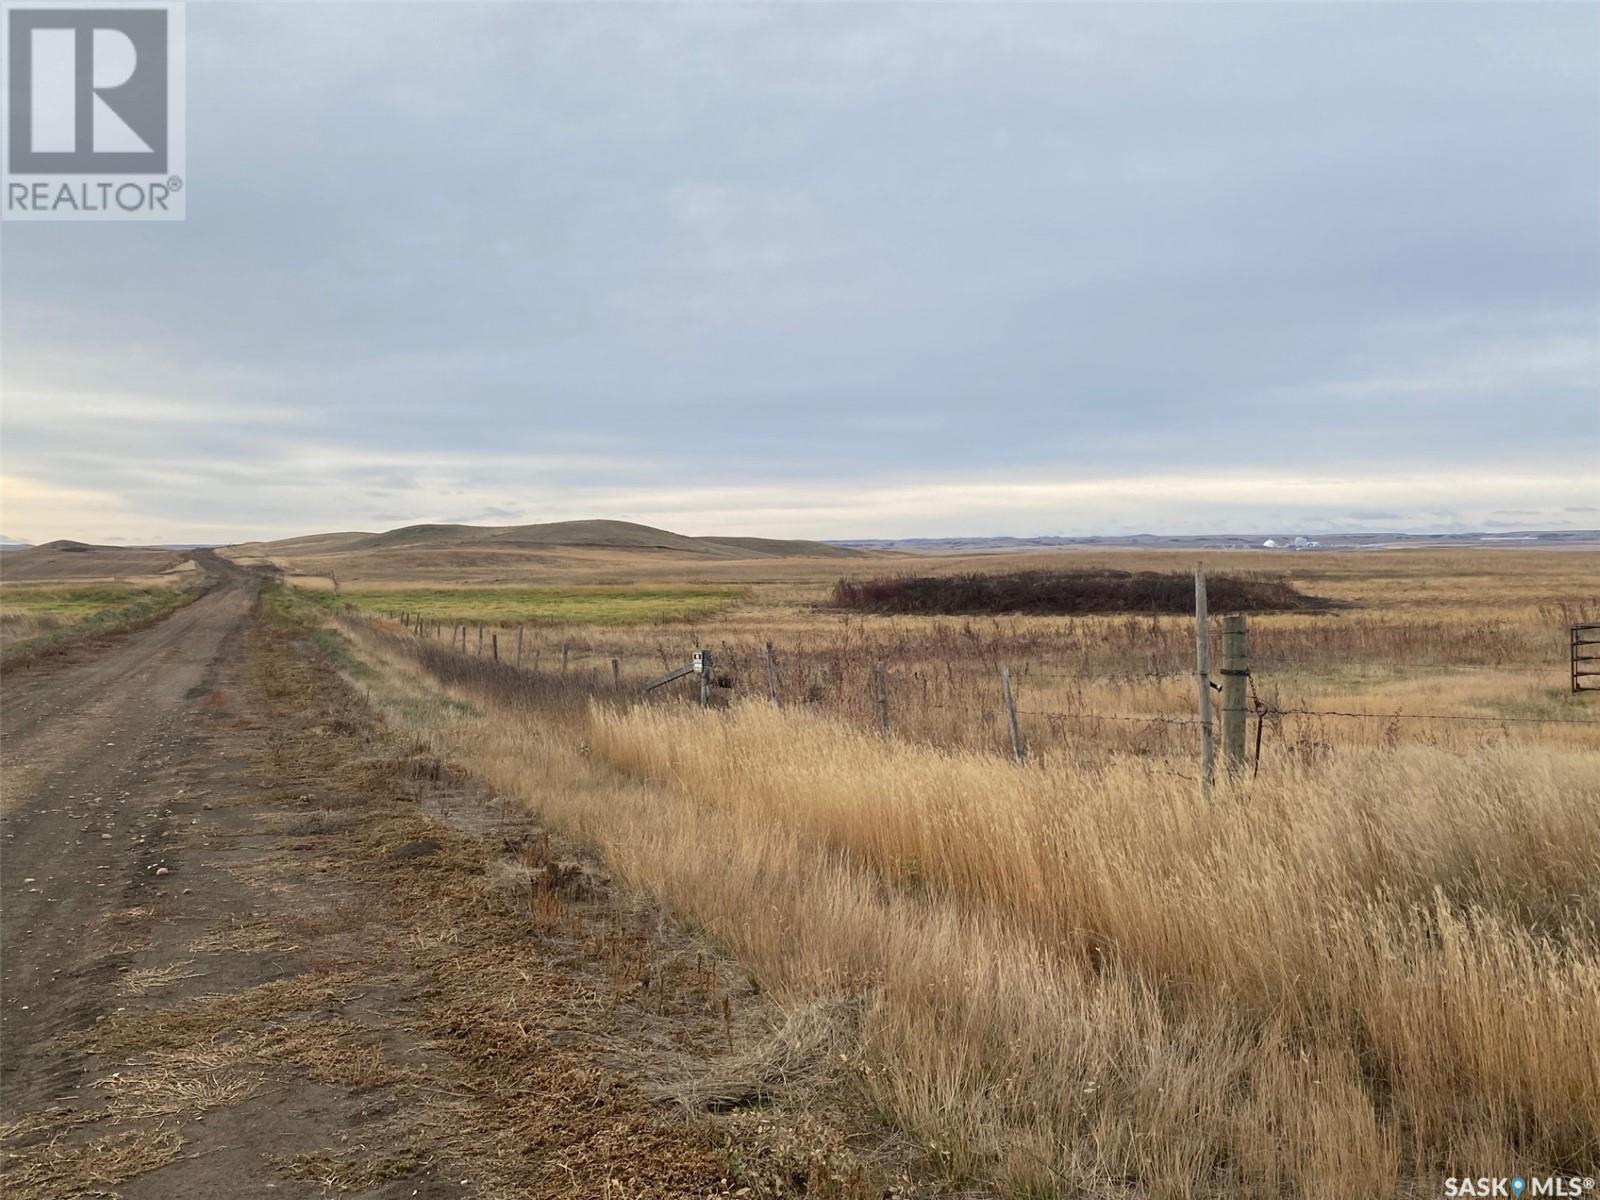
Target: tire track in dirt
{"x":83,"y":745}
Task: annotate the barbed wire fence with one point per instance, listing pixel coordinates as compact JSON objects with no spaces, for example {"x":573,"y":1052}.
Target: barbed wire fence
{"x":1241,"y":703}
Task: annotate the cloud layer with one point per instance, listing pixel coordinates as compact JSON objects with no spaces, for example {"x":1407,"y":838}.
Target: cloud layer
{"x":835,"y":271}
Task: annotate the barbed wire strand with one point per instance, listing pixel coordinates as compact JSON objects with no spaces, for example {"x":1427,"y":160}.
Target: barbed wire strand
{"x":1261,"y":708}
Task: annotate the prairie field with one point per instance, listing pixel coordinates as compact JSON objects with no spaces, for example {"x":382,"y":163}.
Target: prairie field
{"x":31,"y":612}
{"x":1367,"y":960}
{"x":593,"y":605}
{"x":1478,"y":639}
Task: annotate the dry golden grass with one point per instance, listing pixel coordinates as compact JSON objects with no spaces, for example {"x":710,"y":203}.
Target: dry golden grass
{"x":154,"y":979}
{"x":172,"y":1085}
{"x":62,"y":1170}
{"x":1372,"y":965}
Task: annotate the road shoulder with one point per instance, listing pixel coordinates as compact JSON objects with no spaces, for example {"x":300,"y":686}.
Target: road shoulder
{"x":340,"y":967}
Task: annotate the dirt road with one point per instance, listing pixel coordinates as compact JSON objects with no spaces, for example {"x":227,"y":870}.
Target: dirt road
{"x":249,"y":947}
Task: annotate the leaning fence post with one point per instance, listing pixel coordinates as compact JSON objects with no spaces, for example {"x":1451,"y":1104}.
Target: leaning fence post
{"x":1202,"y":675}
{"x":772,"y":676}
{"x":519,"y":645}
{"x":1017,"y":747}
{"x":494,"y":645}
{"x":1235,"y":672}
{"x":616,"y":670}
{"x":883,"y":701}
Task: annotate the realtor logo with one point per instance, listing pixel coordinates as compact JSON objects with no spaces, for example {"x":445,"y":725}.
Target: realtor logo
{"x":94,"y":112}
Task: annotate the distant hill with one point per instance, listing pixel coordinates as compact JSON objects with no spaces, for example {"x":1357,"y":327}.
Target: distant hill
{"x":1533,"y":538}
{"x":608,"y":535}
{"x":64,"y":559}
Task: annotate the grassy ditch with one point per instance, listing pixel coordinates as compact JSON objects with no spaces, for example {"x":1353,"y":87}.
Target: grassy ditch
{"x":39,"y":622}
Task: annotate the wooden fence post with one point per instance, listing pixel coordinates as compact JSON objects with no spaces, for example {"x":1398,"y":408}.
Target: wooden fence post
{"x":1202,"y":675}
{"x":705,"y":677}
{"x":494,"y":645}
{"x":480,"y":639}
{"x":1017,"y":747}
{"x":564,"y":649}
{"x":772,"y":676}
{"x":1235,"y":672}
{"x":616,"y":670}
{"x":519,"y":645}
{"x":883,"y":701}
{"x":536,"y":654}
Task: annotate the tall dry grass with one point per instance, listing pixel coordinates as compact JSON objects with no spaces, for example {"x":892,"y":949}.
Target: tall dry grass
{"x":1350,"y":977}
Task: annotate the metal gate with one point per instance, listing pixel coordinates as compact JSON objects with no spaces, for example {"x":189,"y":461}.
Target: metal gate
{"x":1585,"y":651}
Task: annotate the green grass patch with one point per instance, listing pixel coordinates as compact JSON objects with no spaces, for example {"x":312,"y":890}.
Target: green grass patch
{"x":596,"y":605}
{"x":305,"y":611}
{"x":1550,"y":704}
{"x":85,"y":612}
{"x":293,"y":607}
{"x":78,"y":603}
{"x":424,"y":706}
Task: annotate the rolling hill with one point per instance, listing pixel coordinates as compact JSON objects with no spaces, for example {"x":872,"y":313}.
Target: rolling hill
{"x":69,"y":560}
{"x":613,"y":551}
{"x":603,"y":535}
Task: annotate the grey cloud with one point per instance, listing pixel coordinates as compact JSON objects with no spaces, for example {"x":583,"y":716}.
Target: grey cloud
{"x":826,"y":246}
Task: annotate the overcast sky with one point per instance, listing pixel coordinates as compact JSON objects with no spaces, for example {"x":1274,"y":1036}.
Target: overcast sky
{"x":835,"y":271}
